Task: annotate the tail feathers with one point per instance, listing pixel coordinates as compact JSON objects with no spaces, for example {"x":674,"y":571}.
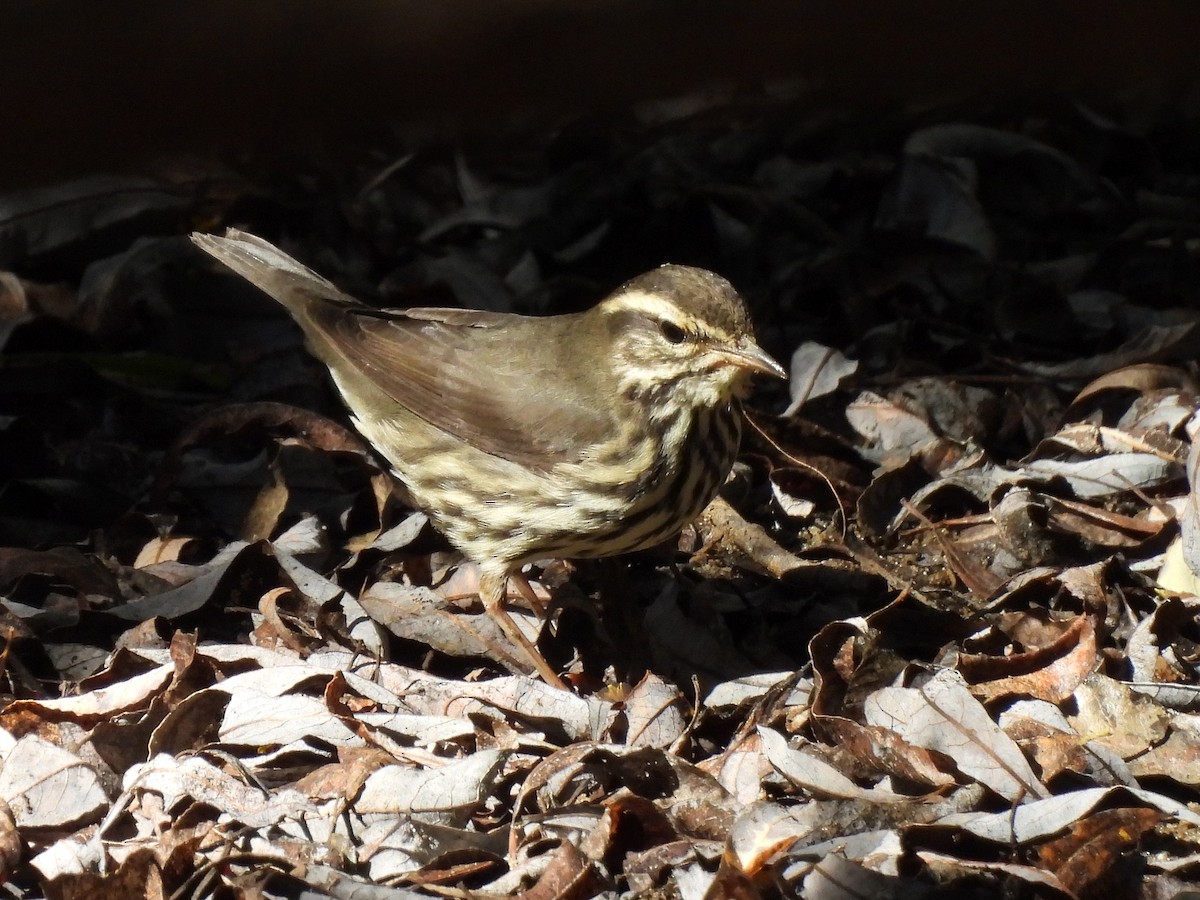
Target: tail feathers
{"x":271,"y":270}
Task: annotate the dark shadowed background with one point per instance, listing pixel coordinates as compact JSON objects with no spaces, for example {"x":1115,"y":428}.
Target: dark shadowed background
{"x":112,"y":86}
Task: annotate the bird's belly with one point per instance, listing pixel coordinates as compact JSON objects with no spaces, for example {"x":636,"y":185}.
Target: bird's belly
{"x":643,"y":506}
{"x":601,"y":507}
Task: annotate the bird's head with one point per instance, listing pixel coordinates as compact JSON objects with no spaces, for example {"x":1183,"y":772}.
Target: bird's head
{"x":682,"y":331}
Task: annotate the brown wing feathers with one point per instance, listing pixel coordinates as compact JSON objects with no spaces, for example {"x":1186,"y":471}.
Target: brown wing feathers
{"x":449,"y":367}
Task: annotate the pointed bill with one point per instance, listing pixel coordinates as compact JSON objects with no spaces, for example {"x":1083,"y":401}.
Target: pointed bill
{"x":750,"y":356}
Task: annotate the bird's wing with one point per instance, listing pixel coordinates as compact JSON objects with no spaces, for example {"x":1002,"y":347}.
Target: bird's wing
{"x":503,"y":383}
{"x":486,"y":378}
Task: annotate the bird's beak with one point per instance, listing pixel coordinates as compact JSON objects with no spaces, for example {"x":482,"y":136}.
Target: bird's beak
{"x":751,"y":356}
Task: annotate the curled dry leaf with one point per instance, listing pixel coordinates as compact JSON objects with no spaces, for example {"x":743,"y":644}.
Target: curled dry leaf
{"x":816,"y":370}
{"x":1108,"y":712}
{"x":46,"y":786}
{"x":741,"y":768}
{"x":1082,"y":859}
{"x":835,"y":876}
{"x":449,"y":794}
{"x":1051,"y":672}
{"x":942,"y":715}
{"x":817,"y":777}
{"x":655,"y":713}
{"x":197,"y":780}
{"x":1177,"y":758}
{"x":1033,"y":822}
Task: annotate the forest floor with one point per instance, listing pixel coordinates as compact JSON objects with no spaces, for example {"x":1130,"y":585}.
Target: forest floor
{"x":938,"y":638}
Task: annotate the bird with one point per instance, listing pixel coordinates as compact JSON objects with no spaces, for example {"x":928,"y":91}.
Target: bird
{"x":581,"y":435}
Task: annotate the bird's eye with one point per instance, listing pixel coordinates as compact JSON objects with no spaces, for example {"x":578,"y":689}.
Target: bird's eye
{"x":672,"y":332}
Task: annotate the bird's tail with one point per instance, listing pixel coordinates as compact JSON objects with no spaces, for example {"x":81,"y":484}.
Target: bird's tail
{"x":271,"y":270}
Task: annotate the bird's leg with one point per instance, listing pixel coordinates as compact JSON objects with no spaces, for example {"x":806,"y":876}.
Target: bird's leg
{"x":525,"y":589}
{"x":492,"y":590}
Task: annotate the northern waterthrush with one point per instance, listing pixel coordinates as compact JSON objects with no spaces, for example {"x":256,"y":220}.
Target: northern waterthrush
{"x":582,"y":435}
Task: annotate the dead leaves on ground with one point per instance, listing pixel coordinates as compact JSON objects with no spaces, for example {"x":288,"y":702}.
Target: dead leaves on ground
{"x":288,"y":758}
{"x":939,"y":638}
{"x":263,"y":764}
